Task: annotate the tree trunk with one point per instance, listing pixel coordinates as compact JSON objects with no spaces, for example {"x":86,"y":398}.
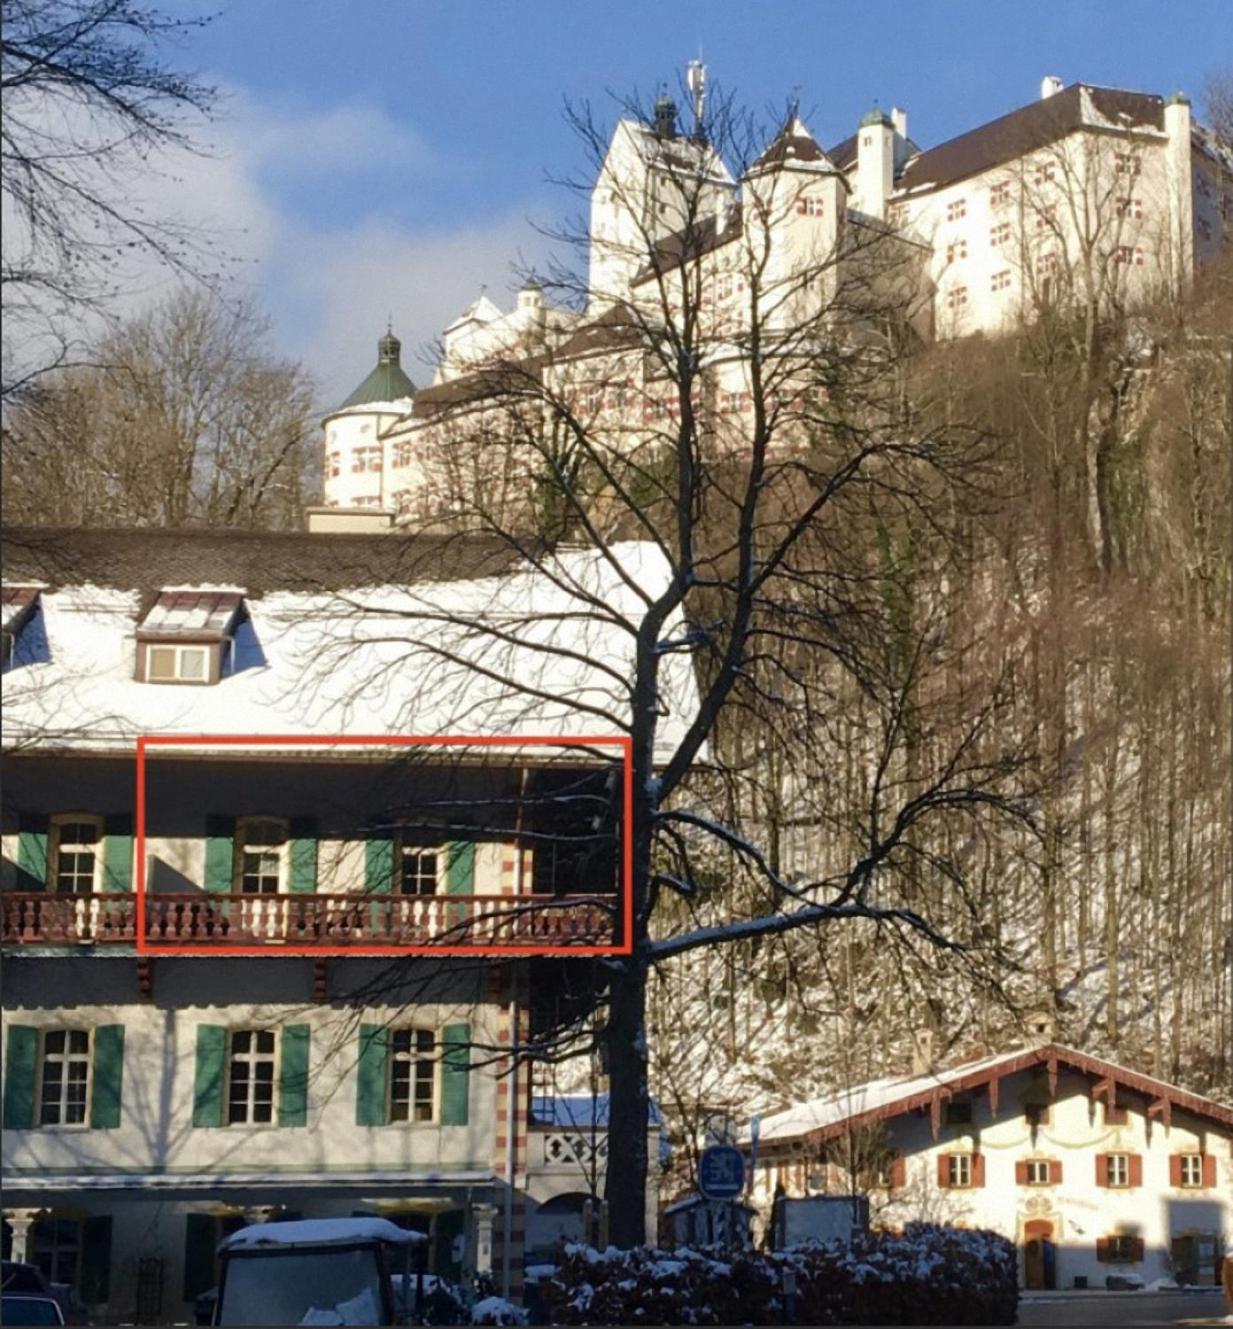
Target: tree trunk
{"x":628,"y":1105}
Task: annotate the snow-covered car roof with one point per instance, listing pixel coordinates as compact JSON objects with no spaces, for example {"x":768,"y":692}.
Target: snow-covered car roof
{"x":320,"y":1232}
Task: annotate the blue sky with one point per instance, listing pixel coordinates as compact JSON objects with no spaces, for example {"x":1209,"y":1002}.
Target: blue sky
{"x":384,"y":156}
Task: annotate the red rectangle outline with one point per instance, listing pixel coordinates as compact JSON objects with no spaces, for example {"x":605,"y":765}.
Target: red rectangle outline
{"x":622,"y":741}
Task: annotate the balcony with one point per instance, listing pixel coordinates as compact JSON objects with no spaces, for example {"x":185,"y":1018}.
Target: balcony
{"x":304,"y":920}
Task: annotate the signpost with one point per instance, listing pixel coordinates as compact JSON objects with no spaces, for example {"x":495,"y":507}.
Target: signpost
{"x":721,"y":1172}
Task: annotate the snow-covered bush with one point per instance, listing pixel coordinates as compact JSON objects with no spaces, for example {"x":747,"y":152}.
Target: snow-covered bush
{"x":927,"y":1275}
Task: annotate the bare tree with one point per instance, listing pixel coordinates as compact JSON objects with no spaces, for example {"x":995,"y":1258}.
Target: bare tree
{"x":90,"y":103}
{"x":187,"y":419}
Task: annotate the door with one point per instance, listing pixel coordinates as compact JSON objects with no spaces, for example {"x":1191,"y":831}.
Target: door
{"x":1039,"y":1255}
{"x":1185,"y":1252}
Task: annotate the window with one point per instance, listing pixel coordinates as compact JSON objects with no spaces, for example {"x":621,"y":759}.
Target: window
{"x":734,"y":402}
{"x":1130,"y":207}
{"x":959,"y":1170}
{"x":365,"y":460}
{"x":1000,"y":281}
{"x":419,"y":870}
{"x":999,"y":194}
{"x":335,"y":460}
{"x":250,"y":1077}
{"x":178,"y":664}
{"x":64,"y":1077}
{"x":956,"y":251}
{"x":413,"y":1075}
{"x":1046,"y":219}
{"x":1130,"y":255}
{"x":403,"y":454}
{"x":261,"y":853}
{"x":1117,"y":1170}
{"x":809,"y":207}
{"x":367,"y":501}
{"x":957,"y":297}
{"x":1044,"y":172}
{"x":1126,"y":163}
{"x":1037,"y":1171}
{"x":957,"y":210}
{"x":55,"y":1247}
{"x":999,"y":234}
{"x":76,"y":854}
{"x":1192,"y":1170}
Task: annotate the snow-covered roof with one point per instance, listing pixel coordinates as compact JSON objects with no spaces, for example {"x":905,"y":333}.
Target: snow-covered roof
{"x":191,"y":612}
{"x":320,"y":1232}
{"x":580,"y":1110}
{"x":15,"y":603}
{"x":519,"y":650}
{"x":893,"y":1095}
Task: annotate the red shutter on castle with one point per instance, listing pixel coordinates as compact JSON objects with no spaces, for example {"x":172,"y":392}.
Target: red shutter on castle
{"x":1136,"y":1169}
{"x":1020,"y":1174}
{"x":944,"y":1170}
{"x":1175,"y":1170}
{"x":1055,"y":1172}
{"x":1209,"y":1169}
{"x":899,"y":1172}
{"x":978,"y":1169}
{"x":1102,"y":1169}
{"x":1102,"y":1249}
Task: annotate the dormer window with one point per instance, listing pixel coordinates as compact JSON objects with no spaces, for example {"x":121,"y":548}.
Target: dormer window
{"x":187,"y":636}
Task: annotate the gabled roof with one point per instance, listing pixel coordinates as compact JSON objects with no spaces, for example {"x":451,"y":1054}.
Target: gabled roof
{"x":881,"y":1100}
{"x":1080,"y":106}
{"x":191,"y":614}
{"x":794,"y":145}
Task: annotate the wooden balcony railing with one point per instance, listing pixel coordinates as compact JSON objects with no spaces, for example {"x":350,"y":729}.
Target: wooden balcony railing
{"x":303,"y":919}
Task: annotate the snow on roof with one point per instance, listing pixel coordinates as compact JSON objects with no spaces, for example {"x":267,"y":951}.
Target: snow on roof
{"x":564,"y":1111}
{"x":528,"y":651}
{"x":320,"y":1232}
{"x":189,"y":612}
{"x":832,"y":1110}
{"x":15,"y":602}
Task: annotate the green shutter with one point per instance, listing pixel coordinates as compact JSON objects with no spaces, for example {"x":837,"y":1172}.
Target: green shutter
{"x":200,"y":1239}
{"x":455,"y":1074}
{"x":379,"y":861}
{"x":118,"y":853}
{"x":370,"y":1075}
{"x":303,"y":854}
{"x":208,"y":1083}
{"x":32,"y":852}
{"x":460,"y":867}
{"x":293,"y":1076}
{"x":20,"y":1059}
{"x":446,"y":1227}
{"x":219,"y":852}
{"x":96,"y":1259}
{"x":108,"y":1077}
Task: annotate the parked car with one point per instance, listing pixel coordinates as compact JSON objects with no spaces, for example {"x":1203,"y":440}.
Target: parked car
{"x":316,"y":1271}
{"x":29,"y":1308}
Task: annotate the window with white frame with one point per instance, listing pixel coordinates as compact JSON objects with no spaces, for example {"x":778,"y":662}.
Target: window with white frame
{"x":64,"y":1077}
{"x":1000,"y":281}
{"x":419,"y":869}
{"x":1037,"y":1171}
{"x":76,"y":853}
{"x":261,"y":855}
{"x":959,"y":1170}
{"x":1190,"y":1168}
{"x":1118,"y":1169}
{"x":367,"y":501}
{"x":956,"y":251}
{"x":957,"y":210}
{"x":999,"y":194}
{"x":166,"y":663}
{"x":413,"y":1075}
{"x":364,"y":460}
{"x":251,"y":1057}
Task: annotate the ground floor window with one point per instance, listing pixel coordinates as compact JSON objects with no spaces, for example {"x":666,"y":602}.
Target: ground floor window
{"x":55,"y":1246}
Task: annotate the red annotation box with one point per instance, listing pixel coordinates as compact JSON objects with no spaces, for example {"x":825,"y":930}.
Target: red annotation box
{"x":205,"y":923}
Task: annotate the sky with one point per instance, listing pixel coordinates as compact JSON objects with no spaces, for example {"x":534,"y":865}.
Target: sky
{"x":386,"y":159}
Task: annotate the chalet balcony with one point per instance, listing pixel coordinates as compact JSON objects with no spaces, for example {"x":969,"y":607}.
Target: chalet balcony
{"x":305,"y":920}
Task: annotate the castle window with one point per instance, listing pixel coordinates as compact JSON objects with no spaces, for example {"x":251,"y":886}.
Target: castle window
{"x":403,"y":454}
{"x":1130,"y":207}
{"x":335,"y":460}
{"x":957,"y":297}
{"x":365,"y":460}
{"x":956,"y":251}
{"x":1044,"y":172}
{"x":809,"y":207}
{"x":1126,"y":163}
{"x":1130,"y":255}
{"x":999,"y":234}
{"x":1046,"y":218}
{"x":957,"y":210}
{"x":1000,"y":281}
{"x":999,"y":194}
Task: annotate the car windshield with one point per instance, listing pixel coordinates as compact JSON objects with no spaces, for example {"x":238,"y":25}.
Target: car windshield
{"x":323,"y":1286}
{"x":29,"y":1310}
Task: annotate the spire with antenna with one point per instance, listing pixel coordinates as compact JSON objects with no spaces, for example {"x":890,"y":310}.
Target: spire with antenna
{"x":695,"y":81}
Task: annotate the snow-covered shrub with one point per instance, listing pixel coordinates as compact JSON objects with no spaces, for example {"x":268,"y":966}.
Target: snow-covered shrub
{"x":926,"y":1275}
{"x":496,"y":1310}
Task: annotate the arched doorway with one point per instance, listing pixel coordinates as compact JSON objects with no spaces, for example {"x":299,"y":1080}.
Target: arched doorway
{"x":1039,"y":1254}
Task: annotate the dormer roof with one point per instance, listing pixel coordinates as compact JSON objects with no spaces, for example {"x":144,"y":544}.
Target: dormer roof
{"x":189,"y":614}
{"x":794,"y":145}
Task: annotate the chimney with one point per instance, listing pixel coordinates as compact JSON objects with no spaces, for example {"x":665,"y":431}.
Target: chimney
{"x":922,"y":1051}
{"x":349,"y":521}
{"x":899,"y":118}
{"x":1050,"y":86}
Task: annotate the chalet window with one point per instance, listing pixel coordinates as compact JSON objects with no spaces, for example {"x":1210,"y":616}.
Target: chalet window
{"x":365,"y":460}
{"x":999,"y":234}
{"x":961,"y":1171}
{"x":413,"y":1075}
{"x":956,"y":251}
{"x":177,"y":664}
{"x":64,"y":1077}
{"x":250,"y":1077}
{"x":1119,"y":1171}
{"x":76,"y":854}
{"x":1120,"y":1248}
{"x":261,"y":856}
{"x":999,"y":194}
{"x":957,"y":210}
{"x":1193,"y":1171}
{"x":419,"y":869}
{"x":1000,"y":281}
{"x":1038,"y":1172}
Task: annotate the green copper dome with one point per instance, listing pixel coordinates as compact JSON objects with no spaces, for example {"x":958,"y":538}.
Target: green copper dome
{"x":876,"y":117}
{"x":387,"y":382}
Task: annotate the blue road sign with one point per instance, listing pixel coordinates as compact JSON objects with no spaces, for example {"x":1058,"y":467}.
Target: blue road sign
{"x":721,"y":1172}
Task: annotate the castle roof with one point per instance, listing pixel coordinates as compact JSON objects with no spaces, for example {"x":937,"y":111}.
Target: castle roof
{"x":794,"y":145}
{"x":388,"y":382}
